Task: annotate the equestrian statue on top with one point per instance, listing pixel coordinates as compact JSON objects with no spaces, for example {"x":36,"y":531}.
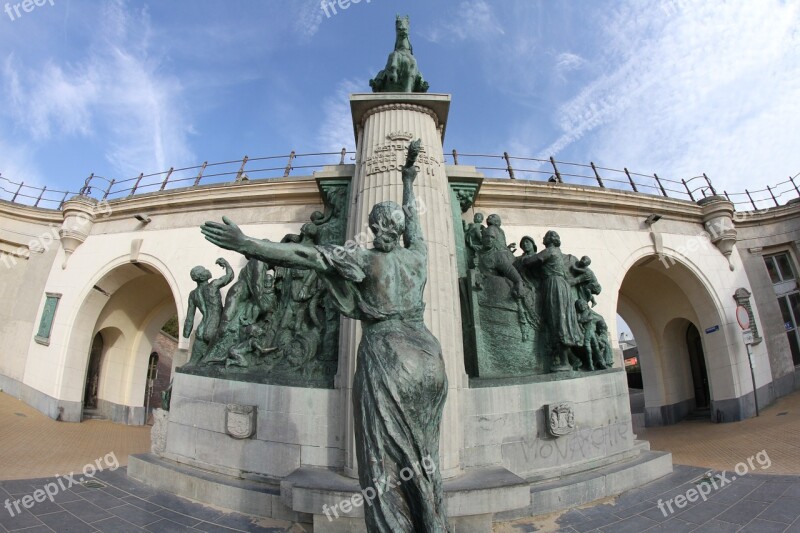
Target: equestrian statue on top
{"x":401,"y":74}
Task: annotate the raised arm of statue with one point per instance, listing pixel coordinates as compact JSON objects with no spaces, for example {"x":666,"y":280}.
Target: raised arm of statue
{"x":228,"y":235}
{"x":188,"y":324}
{"x":225,"y":279}
{"x":413,"y":231}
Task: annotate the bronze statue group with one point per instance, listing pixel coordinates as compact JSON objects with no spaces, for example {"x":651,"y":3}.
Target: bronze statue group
{"x":276,"y":320}
{"x":554,"y":292}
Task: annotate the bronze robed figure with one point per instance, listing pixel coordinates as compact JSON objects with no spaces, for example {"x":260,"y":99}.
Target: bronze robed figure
{"x":400,"y":384}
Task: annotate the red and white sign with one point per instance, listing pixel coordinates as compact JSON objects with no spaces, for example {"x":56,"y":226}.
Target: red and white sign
{"x":742,"y":317}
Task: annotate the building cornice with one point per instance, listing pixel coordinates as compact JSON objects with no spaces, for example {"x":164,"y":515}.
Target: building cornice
{"x":524,"y":194}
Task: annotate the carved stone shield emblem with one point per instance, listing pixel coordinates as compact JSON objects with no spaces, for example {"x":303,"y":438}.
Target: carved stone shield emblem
{"x":240,"y":421}
{"x":560,"y":418}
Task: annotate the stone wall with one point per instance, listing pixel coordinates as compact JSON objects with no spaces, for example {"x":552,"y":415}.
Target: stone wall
{"x":294,"y":427}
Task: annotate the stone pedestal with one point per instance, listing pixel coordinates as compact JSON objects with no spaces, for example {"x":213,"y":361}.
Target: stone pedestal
{"x":384,"y":125}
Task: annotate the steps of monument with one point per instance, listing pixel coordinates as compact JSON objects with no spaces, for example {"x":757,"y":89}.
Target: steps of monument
{"x":585,"y":487}
{"x":262,"y":499}
{"x":93,"y":414}
{"x":699,"y":414}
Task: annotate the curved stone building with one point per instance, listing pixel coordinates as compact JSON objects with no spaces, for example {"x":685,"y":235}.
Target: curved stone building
{"x":88,"y":287}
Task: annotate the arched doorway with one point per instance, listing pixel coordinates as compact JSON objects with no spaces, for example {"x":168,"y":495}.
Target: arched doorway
{"x":127,"y":310}
{"x":682,"y":353}
{"x":93,"y":374}
{"x":697,"y":360}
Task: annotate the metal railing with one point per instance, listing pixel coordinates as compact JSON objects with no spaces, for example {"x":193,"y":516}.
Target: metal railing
{"x":492,"y":165}
{"x":554,"y":171}
{"x":238,"y":170}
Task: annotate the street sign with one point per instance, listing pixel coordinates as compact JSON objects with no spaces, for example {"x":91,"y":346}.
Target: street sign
{"x":747,"y":336}
{"x":712,"y":329}
{"x":743,"y":317}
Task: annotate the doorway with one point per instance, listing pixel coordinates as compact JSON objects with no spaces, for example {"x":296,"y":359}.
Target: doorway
{"x":93,"y":373}
{"x":697,"y":360}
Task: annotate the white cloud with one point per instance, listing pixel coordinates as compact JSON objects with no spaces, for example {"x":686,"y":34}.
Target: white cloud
{"x":119,"y":90}
{"x":310,"y":17}
{"x":709,"y":86}
{"x":474,"y":20}
{"x":18,"y":165}
{"x":566,"y":62}
{"x":336,"y":131}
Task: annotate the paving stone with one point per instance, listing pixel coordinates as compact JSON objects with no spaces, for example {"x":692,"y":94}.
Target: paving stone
{"x":103,"y":499}
{"x":142,"y":504}
{"x":763,"y":526}
{"x":20,"y":520}
{"x":64,"y":522}
{"x":634,"y":524}
{"x":794,"y":528}
{"x":243,"y":523}
{"x":177,"y":517}
{"x":167,"y":526}
{"x":45,"y":507}
{"x":116,"y":525}
{"x":35,"y":529}
{"x":718,"y":526}
{"x":17,"y":487}
{"x":573,"y":516}
{"x":86,"y":511}
{"x":115,"y":492}
{"x":793,"y":490}
{"x":179,"y":505}
{"x":674,"y":525}
{"x":743,"y":512}
{"x":213,"y":528}
{"x":66,"y":496}
{"x":595,"y":523}
{"x":768,"y":492}
{"x":627,"y":512}
{"x":654,"y":513}
{"x":731,"y":493}
{"x":784,"y":509}
{"x":703,"y":512}
{"x":134,"y":515}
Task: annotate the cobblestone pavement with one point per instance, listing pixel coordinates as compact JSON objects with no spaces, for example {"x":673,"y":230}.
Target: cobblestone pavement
{"x":759,"y":500}
{"x":722,"y":446}
{"x":113,"y":503}
{"x":33,"y":445}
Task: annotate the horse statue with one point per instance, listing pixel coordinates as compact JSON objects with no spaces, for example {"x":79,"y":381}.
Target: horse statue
{"x":401,"y":73}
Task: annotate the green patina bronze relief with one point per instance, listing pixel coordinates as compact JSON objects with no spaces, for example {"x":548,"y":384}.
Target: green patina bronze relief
{"x":279,"y":323}
{"x":48,"y":315}
{"x":527,"y":314}
{"x":401,"y":74}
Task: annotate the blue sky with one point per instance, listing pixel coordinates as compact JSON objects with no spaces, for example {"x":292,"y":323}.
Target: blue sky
{"x":676,"y":87}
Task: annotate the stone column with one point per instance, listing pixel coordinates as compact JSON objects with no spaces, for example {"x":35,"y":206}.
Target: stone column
{"x":384,"y":125}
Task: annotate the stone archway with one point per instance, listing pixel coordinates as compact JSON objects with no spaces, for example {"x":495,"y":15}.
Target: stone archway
{"x":660,"y":300}
{"x":135,"y":300}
